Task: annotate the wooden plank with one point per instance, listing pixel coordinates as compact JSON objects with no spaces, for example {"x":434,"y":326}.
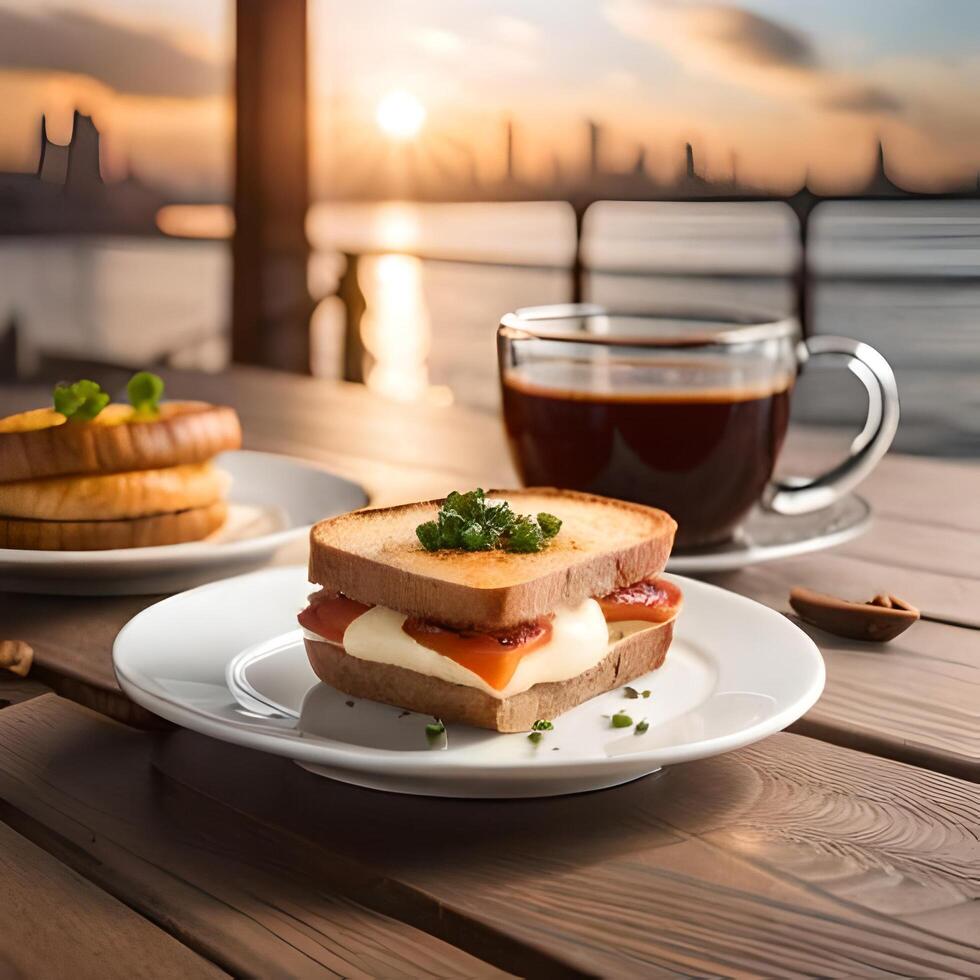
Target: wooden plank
{"x":348,"y":419}
{"x":81,"y":787}
{"x":788,"y":858}
{"x":791,"y":857}
{"x":14,"y":689}
{"x":904,"y":543}
{"x":55,"y":924}
{"x":72,"y":640}
{"x":921,"y":489}
{"x":913,"y":699}
{"x":64,"y":629}
{"x":938,"y":596}
{"x":926,"y":491}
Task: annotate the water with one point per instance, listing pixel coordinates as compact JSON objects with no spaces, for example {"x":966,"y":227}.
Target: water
{"x":132,"y":300}
{"x":431,"y":322}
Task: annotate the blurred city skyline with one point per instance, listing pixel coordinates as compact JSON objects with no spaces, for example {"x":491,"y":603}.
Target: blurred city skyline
{"x":784,"y":92}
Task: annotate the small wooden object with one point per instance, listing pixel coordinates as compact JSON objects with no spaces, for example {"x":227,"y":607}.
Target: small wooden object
{"x":879,"y":619}
{"x":16,"y":656}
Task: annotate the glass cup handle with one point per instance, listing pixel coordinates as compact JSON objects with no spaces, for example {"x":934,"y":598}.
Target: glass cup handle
{"x":800,"y":495}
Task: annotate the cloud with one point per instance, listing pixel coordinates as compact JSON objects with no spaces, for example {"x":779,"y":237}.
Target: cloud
{"x":861,"y":98}
{"x":749,"y":50}
{"x":131,"y":60}
{"x":745,"y":36}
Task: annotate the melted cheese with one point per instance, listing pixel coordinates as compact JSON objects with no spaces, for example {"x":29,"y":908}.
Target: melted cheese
{"x":579,"y":640}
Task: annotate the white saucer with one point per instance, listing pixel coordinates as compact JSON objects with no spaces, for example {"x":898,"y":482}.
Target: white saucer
{"x":273,"y":501}
{"x":735,"y":673}
{"x":767,"y":536}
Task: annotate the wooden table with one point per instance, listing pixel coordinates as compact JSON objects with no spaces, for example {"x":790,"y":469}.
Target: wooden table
{"x":847,"y":848}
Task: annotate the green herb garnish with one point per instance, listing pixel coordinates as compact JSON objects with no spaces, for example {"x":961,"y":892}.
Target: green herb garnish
{"x":549,"y":524}
{"x":525,"y":535}
{"x":641,"y":727}
{"x":80,"y":401}
{"x":538,"y":729}
{"x":621,"y":720}
{"x":630,"y":692}
{"x":435,"y":729}
{"x":646,"y":694}
{"x":470,"y":522}
{"x":144,"y":392}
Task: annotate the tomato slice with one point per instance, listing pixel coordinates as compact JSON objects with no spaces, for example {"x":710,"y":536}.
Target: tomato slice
{"x":651,"y":600}
{"x":492,"y":656}
{"x":330,"y":615}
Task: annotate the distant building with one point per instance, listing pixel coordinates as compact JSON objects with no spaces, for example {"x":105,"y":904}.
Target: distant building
{"x":67,"y":195}
{"x":52,"y":164}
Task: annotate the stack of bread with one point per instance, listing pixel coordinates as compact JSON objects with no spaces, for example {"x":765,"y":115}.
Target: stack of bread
{"x":89,"y":475}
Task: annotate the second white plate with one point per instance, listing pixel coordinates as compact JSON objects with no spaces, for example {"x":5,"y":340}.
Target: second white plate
{"x":735,"y":673}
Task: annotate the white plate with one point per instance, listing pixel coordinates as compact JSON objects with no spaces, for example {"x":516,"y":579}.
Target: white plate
{"x":735,"y":673}
{"x":767,"y":536}
{"x":273,"y":501}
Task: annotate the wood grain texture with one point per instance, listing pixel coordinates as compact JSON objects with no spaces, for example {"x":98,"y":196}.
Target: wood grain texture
{"x":791,"y":857}
{"x":82,"y":787}
{"x":13,"y":689}
{"x":923,"y":489}
{"x":916,"y":698}
{"x":903,"y":543}
{"x":55,"y":924}
{"x":938,"y":596}
{"x":72,"y":641}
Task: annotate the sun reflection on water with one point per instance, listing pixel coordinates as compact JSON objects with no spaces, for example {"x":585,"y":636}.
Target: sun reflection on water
{"x":396,"y":226}
{"x":396,"y":330}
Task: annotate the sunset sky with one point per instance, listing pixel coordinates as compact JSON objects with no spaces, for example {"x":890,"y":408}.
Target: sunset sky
{"x":788,"y":88}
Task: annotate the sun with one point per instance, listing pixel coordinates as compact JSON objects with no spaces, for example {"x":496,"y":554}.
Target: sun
{"x":400,"y":115}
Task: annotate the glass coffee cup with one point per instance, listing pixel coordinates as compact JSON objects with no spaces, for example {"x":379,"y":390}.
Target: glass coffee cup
{"x":686,"y":413}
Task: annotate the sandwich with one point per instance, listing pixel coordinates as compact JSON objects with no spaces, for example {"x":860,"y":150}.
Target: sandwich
{"x":86,"y":474}
{"x":499,"y":610}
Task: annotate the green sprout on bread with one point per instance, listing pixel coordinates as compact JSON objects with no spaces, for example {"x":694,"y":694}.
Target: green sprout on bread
{"x":80,"y":401}
{"x":470,"y":522}
{"x":144,"y":392}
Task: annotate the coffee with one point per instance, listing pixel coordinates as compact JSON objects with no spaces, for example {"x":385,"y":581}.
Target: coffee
{"x":703,"y":453}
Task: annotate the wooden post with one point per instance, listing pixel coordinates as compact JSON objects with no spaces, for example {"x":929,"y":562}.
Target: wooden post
{"x":804,"y":278}
{"x":577,"y":271}
{"x":10,"y":350}
{"x":355,"y":306}
{"x":271,"y":305}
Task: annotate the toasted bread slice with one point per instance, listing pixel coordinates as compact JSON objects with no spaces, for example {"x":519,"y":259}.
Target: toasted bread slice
{"x":114,"y":496}
{"x":373,"y":556}
{"x":44,"y":443}
{"x":627,"y":659}
{"x":139,"y":532}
